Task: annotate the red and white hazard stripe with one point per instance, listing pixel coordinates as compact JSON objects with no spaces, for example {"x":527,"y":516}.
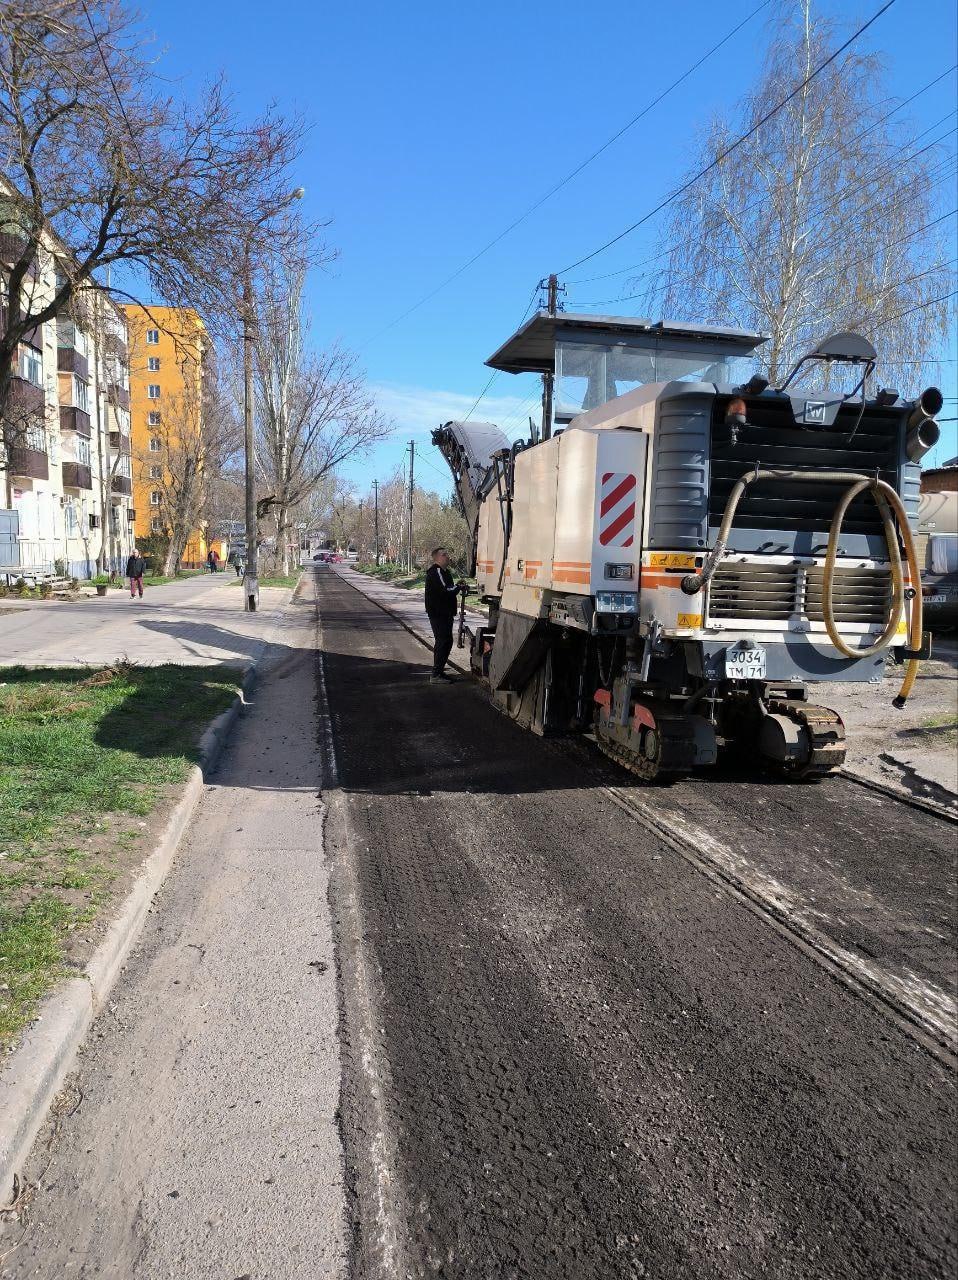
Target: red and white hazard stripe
{"x":617,"y":509}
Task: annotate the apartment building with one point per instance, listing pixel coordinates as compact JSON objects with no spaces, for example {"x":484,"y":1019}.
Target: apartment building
{"x":66,"y":496}
{"x":169,"y":347}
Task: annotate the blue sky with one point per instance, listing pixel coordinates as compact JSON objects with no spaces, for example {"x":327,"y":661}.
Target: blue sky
{"x":435,"y":125}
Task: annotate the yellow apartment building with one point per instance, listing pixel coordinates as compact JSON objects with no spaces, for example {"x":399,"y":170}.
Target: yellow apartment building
{"x":167,"y":348}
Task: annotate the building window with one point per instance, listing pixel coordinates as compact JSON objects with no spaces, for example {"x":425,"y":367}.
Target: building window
{"x":83,"y":451}
{"x":154,"y":419}
{"x":153,"y":337}
{"x":154,"y":391}
{"x":156,"y":473}
{"x":155,"y":498}
{"x":154,"y":364}
{"x":31,"y":366}
{"x":81,"y":394}
{"x":156,"y":525}
{"x":70,"y":514}
{"x":155,"y":445}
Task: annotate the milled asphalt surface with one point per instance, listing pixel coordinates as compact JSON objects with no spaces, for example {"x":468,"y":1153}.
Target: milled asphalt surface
{"x":568,"y":1053}
{"x":198,"y":1138}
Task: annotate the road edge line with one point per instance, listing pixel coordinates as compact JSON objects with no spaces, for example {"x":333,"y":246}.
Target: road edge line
{"x":32,"y":1075}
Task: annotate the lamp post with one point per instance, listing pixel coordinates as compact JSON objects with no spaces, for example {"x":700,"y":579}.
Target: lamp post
{"x":250,"y":582}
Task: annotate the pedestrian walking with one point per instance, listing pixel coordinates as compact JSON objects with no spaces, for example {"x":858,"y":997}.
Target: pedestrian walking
{"x":212,"y":559}
{"x":135,"y":569}
{"x":442,"y":592}
{"x":238,"y":565}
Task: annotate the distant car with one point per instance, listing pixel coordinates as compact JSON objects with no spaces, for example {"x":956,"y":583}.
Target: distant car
{"x":320,"y":555}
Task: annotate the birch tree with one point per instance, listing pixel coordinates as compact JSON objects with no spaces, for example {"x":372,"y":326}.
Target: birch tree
{"x":314,"y":409}
{"x":828,"y":218}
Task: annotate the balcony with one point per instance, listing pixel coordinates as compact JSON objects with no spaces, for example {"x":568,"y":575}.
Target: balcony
{"x":120,"y":443}
{"x":73,"y":419}
{"x":115,"y":346}
{"x":12,"y":244}
{"x":76,"y":475}
{"x":31,"y":463}
{"x":122,"y":484}
{"x":69,"y":360}
{"x":25,"y":398}
{"x":118,"y":395}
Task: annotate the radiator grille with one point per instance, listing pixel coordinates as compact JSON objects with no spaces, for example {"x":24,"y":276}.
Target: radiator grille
{"x":776,"y":593}
{"x":773,"y":440}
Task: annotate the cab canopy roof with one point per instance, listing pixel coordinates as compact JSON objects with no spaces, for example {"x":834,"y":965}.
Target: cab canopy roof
{"x":532,"y":349}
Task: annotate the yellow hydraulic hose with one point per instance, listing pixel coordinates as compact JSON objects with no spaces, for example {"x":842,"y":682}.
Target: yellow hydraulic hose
{"x":888,"y":502}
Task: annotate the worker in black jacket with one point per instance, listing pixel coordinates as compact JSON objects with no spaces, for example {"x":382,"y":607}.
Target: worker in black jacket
{"x":442,"y":593}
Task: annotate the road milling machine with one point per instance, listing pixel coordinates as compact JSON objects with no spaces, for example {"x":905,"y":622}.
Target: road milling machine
{"x":682,"y":549}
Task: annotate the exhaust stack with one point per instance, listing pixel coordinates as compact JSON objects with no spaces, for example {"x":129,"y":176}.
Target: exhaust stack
{"x":923,"y":431}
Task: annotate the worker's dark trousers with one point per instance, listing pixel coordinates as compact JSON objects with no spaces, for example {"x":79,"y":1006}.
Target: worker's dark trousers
{"x":441,"y":624}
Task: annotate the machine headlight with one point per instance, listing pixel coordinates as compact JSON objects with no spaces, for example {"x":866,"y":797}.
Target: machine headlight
{"x":616,"y":602}
{"x":618,"y":570}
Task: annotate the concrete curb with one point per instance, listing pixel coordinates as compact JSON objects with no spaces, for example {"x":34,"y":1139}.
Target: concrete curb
{"x":34,"y":1072}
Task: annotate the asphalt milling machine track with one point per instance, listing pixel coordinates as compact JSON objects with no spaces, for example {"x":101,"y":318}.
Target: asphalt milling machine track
{"x":569,"y":1053}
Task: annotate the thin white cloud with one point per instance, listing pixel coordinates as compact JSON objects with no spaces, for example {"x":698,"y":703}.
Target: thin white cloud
{"x":417,"y":411}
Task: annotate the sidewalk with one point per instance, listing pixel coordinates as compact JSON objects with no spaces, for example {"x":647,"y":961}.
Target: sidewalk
{"x":196,"y":621}
{"x":198,"y":1137}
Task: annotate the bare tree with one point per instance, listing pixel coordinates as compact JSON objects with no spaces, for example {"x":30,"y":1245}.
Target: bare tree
{"x":314,"y":409}
{"x":824,"y":220}
{"x":100,"y":161}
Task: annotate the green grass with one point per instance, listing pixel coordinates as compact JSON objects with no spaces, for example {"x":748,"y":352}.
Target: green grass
{"x":149,"y":580}
{"x":81,"y":753}
{"x":289,"y":580}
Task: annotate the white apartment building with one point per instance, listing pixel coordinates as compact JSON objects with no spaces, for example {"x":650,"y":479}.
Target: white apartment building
{"x":66,"y":484}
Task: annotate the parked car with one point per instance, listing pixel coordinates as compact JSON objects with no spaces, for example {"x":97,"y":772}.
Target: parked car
{"x":938,"y":554}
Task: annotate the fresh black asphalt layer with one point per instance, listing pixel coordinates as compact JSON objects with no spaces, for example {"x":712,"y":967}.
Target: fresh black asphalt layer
{"x":592,"y":1060}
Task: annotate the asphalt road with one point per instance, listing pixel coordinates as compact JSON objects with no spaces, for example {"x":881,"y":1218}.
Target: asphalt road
{"x":570,"y":1053}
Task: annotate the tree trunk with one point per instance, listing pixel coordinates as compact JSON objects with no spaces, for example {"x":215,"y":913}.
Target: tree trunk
{"x":282,"y":537}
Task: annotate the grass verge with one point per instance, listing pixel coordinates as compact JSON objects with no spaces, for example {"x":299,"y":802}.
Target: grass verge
{"x":86,"y":757}
{"x":289,"y":580}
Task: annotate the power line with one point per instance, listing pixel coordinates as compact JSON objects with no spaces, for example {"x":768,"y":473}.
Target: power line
{"x":735,"y":145}
{"x":572,"y":174}
{"x":496,"y":372}
{"x":620,"y":271}
{"x":845,"y":267}
{"x":911,"y":311}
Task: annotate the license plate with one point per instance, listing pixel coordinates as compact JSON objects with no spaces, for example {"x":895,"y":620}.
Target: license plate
{"x":933,"y":600}
{"x":745,"y":664}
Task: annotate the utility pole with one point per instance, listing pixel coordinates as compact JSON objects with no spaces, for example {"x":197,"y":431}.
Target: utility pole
{"x":376,"y":519}
{"x":412,"y":482}
{"x":359,"y":531}
{"x":548,"y":379}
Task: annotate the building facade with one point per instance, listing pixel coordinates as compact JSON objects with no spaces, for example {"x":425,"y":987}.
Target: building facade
{"x":169,"y":348}
{"x":66,"y":504}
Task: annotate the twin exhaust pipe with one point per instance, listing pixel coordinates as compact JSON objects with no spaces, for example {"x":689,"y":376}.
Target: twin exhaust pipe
{"x":923,"y":431}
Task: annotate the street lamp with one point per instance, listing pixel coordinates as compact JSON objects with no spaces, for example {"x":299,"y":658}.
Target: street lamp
{"x":250,"y":583}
